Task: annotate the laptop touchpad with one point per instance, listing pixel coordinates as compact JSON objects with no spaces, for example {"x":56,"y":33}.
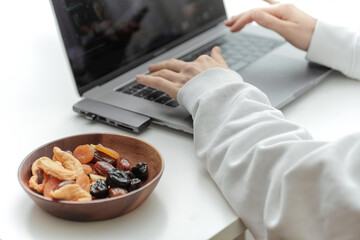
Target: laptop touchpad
{"x":282,"y":78}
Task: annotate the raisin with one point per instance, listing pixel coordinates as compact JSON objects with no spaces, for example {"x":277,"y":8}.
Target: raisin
{"x":123,"y":164}
{"x":102,"y":168}
{"x":40,"y":175}
{"x":118,"y":178}
{"x":135,"y":183}
{"x":99,"y":156}
{"x":141,"y":171}
{"x":114,"y":192}
{"x":99,"y":189}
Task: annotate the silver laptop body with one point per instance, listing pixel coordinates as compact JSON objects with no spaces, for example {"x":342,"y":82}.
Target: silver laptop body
{"x":105,"y":58}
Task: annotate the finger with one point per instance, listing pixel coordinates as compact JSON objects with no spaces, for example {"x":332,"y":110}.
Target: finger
{"x":271,"y":1}
{"x":172,"y":64}
{"x":217,"y":55}
{"x":166,"y":74}
{"x":239,"y":21}
{"x":159,"y":83}
{"x":231,"y":21}
{"x":268,"y":20}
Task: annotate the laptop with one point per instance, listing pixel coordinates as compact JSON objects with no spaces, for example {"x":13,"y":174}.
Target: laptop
{"x":109,"y":42}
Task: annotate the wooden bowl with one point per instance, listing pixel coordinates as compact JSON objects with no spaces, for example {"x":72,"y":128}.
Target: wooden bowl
{"x":133,"y":149}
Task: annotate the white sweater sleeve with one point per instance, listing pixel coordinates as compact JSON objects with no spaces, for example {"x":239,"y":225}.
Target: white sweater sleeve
{"x":280,"y":182}
{"x":336,"y":47}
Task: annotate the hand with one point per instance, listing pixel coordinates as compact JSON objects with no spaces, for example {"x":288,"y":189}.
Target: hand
{"x":290,"y":22}
{"x":169,"y":76}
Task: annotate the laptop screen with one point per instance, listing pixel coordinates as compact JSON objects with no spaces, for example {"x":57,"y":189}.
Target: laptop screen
{"x":105,"y":38}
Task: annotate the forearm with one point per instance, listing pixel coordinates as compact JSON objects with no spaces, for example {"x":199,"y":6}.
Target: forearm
{"x":336,"y":47}
{"x":270,"y":171}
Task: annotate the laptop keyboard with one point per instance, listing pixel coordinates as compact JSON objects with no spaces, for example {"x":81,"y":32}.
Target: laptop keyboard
{"x":139,"y":90}
{"x":236,"y":55}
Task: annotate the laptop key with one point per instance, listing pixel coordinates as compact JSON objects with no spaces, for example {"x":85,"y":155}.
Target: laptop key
{"x":163,"y":99}
{"x":143,"y":93}
{"x":172,"y":103}
{"x":138,"y":86}
{"x":130,"y":91}
{"x":154,"y":95}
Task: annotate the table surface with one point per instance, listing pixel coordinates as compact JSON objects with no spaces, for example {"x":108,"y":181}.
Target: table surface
{"x":37,"y":108}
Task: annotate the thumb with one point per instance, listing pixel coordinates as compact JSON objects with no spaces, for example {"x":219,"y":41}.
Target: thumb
{"x":216,"y":54}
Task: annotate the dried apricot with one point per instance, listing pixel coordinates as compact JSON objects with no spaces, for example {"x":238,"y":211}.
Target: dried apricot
{"x":84,"y":153}
{"x":112,"y":153}
{"x":87,"y":168}
{"x":84,"y":182}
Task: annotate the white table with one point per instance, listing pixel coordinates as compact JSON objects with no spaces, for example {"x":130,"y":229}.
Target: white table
{"x":36,"y":108}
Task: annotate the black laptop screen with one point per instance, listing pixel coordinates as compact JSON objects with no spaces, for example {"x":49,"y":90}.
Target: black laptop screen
{"x":105,"y":38}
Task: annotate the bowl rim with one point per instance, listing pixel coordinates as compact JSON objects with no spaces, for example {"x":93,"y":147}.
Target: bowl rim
{"x":96,"y":201}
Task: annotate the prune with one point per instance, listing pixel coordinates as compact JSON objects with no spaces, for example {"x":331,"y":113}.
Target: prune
{"x":123,"y":164}
{"x":130,"y":174}
{"x":102,"y":168}
{"x":135,"y":183}
{"x":99,"y":156}
{"x":141,"y":171}
{"x":99,"y":189}
{"x":113,"y":192}
{"x":118,"y":178}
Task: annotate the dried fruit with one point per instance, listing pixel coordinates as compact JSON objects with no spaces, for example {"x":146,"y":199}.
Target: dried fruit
{"x":102,"y":168}
{"x":87,"y":168}
{"x":64,"y":183}
{"x":99,"y":189}
{"x":114,"y":192}
{"x":84,"y":153}
{"x":34,"y":182}
{"x":72,"y":192}
{"x":112,"y":153}
{"x":117,"y":178}
{"x":99,"y":156}
{"x":135,"y":183}
{"x":141,"y":171}
{"x":130,"y":174}
{"x":123,"y":164}
{"x":56,"y":169}
{"x":51,"y":185}
{"x":84,"y":182}
{"x":68,"y":161}
{"x":95,"y":177}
